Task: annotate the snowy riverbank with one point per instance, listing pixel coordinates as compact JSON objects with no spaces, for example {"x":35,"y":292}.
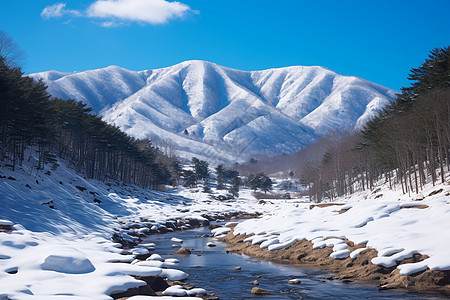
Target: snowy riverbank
{"x":406,"y":236}
{"x":56,"y":229}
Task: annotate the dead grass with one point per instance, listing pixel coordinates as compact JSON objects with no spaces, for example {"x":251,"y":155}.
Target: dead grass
{"x":325,"y":205}
{"x":423,"y":206}
{"x":342,"y":210}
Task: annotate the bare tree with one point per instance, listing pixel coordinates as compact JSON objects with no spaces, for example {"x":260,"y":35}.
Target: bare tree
{"x":9,"y":50}
{"x":168,"y":147}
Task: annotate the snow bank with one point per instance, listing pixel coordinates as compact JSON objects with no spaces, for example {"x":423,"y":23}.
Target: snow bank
{"x":6,"y":223}
{"x":53,"y":252}
{"x":173,"y":274}
{"x":69,"y":261}
{"x":220,"y":231}
{"x":395,"y":226}
{"x":179,"y":291}
{"x":155,"y":256}
{"x":171,"y":261}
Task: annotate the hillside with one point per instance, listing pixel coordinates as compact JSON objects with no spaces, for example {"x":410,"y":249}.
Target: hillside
{"x":223,"y":114}
{"x":60,"y":231}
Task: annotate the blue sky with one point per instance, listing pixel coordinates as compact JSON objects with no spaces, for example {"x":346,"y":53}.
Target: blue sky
{"x":377,"y":40}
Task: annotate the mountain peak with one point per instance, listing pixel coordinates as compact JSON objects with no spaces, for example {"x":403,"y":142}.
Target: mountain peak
{"x":224,"y":114}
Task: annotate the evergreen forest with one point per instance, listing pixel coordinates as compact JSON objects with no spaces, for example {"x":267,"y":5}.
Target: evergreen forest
{"x":42,"y":129}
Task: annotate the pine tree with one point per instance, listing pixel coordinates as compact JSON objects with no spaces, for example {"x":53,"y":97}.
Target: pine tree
{"x":266,"y":183}
{"x":206,"y":185}
{"x":190,"y":179}
{"x":235,"y":184}
{"x":433,"y":74}
{"x":253,"y":182}
{"x":260,"y":181}
{"x":201,"y":168}
{"x":220,"y":170}
{"x":176,"y":172}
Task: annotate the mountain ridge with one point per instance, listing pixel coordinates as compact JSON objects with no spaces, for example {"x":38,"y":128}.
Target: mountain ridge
{"x":224,"y":114}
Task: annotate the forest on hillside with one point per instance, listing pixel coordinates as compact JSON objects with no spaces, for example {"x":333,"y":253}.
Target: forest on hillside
{"x":407,"y":144}
{"x":41,"y":129}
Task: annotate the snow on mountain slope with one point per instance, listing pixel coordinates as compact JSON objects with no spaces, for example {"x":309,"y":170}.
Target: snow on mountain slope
{"x":99,"y":89}
{"x":225,"y":114}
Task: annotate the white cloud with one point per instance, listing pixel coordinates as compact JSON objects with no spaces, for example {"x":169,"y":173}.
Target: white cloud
{"x":147,"y":11}
{"x":109,"y":24}
{"x":58,"y":10}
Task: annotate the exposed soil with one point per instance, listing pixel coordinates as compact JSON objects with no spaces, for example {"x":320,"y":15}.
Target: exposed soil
{"x":325,"y":205}
{"x":6,"y":228}
{"x":423,"y":206}
{"x":359,"y":269}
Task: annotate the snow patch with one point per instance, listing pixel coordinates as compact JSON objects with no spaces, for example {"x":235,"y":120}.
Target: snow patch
{"x":70,"y":261}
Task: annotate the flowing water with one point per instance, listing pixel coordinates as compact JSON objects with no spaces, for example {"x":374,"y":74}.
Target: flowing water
{"x":212,"y":268}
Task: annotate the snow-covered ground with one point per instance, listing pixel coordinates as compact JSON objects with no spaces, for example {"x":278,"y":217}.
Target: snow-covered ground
{"x":396,"y":225}
{"x":61,"y":246}
{"x":63,"y":226}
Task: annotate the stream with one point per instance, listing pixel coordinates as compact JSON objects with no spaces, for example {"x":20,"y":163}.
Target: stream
{"x":214,"y":271}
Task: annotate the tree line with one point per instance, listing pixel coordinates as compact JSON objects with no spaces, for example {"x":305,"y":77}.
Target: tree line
{"x":407,"y":144}
{"x":41,"y":129}
{"x":199,"y":174}
{"x":35,"y":125}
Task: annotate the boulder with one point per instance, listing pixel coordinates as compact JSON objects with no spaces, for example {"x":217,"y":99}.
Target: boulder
{"x":259,"y":291}
{"x":6,"y":226}
{"x":142,"y":290}
{"x":194,"y":222}
{"x":176,"y":240}
{"x":183,"y":251}
{"x":294,"y":281}
{"x":155,"y":256}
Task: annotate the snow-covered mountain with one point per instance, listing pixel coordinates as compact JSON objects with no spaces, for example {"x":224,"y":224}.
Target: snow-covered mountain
{"x":222,"y":114}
